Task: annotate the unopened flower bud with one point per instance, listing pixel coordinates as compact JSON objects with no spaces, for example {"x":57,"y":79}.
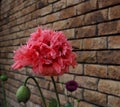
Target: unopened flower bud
{"x":4,"y":77}
{"x":23,"y":94}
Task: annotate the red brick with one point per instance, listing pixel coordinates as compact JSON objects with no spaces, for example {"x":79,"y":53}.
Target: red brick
{"x":95,"y":43}
{"x":86,"y":56}
{"x":86,"y":6}
{"x":76,"y":44}
{"x":60,"y":25}
{"x":114,"y":42}
{"x":95,"y":70}
{"x":96,"y":17}
{"x":87,"y":82}
{"x":108,"y":57}
{"x":109,"y":28}
{"x":70,"y":33}
{"x":20,"y":20}
{"x":84,"y":104}
{"x":59,"y":5}
{"x":77,"y":70}
{"x":76,"y":21}
{"x":45,"y":10}
{"x":114,"y":12}
{"x":113,"y":101}
{"x":73,"y":2}
{"x":31,"y":24}
{"x":48,"y":26}
{"x":106,"y":3}
{"x":10,"y":88}
{"x":109,"y":87}
{"x":13,"y":82}
{"x":66,"y":13}
{"x":28,"y":9}
{"x":36,"y":99}
{"x":95,"y":97}
{"x":78,"y":93}
{"x":52,"y":17}
{"x":66,"y":77}
{"x":13,"y":103}
{"x":51,"y":1}
{"x":43,"y":83}
{"x":49,"y":94}
{"x":87,"y":31}
{"x":114,"y":72}
{"x":28,"y":3}
{"x":41,"y":3}
{"x":41,"y":20}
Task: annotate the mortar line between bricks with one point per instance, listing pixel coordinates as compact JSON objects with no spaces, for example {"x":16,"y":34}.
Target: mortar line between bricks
{"x":99,"y":92}
{"x":68,"y":7}
{"x":65,"y":28}
{"x":59,"y":19}
{"x":82,"y":38}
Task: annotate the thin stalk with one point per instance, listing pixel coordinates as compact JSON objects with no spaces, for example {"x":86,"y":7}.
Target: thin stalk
{"x":4,"y":94}
{"x":56,"y":90}
{"x":31,"y":77}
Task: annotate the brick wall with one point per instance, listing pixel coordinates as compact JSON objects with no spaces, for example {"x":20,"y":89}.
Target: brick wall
{"x":92,"y":27}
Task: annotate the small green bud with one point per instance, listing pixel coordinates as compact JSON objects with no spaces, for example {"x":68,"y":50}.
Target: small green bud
{"x":78,"y":100}
{"x":23,"y":94}
{"x":62,"y":83}
{"x":4,"y":77}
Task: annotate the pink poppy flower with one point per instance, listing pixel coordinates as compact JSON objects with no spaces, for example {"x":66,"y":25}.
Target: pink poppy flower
{"x":47,"y":52}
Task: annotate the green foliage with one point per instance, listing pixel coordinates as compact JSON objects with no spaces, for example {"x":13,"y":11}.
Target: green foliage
{"x":53,"y":103}
{"x":68,"y":104}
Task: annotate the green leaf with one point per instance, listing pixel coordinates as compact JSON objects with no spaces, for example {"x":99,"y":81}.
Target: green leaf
{"x":53,"y":103}
{"x":68,"y":104}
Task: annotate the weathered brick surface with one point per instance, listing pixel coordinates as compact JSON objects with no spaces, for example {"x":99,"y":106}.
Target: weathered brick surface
{"x":95,"y":70}
{"x":93,"y":29}
{"x":84,"y":104}
{"x":67,"y":13}
{"x":108,"y":57}
{"x":96,"y":17}
{"x":86,"y":6}
{"x":86,"y":56}
{"x":59,"y":5}
{"x":105,"y":3}
{"x":77,"y":70}
{"x":114,"y":72}
{"x":109,"y":86}
{"x":114,"y":42}
{"x":87,"y":82}
{"x":113,"y":101}
{"x":109,"y":28}
{"x":114,"y":12}
{"x":95,"y":43}
{"x":95,"y":97}
{"x":87,"y":31}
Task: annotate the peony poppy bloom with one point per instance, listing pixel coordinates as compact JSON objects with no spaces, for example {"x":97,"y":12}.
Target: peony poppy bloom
{"x":71,"y":85}
{"x":48,"y":53}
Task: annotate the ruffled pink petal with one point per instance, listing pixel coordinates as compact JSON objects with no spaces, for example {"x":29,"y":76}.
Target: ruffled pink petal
{"x":47,"y":52}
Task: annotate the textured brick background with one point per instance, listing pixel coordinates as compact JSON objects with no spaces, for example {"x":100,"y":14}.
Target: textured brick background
{"x":92,"y":27}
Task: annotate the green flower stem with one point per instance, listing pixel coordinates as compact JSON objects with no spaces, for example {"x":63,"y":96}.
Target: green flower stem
{"x":56,"y":90}
{"x":31,"y":77}
{"x":4,"y":94}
